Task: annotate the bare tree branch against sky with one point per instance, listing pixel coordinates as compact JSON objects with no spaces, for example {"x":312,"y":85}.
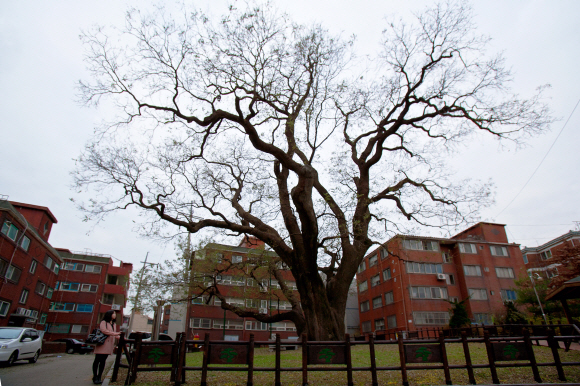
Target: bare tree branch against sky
{"x":43,"y":127}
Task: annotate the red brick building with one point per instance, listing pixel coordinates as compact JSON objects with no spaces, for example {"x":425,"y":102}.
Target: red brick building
{"x":88,"y":286}
{"x":540,"y":257}
{"x":29,"y":265}
{"x":405,"y":284}
{"x":236,"y":284}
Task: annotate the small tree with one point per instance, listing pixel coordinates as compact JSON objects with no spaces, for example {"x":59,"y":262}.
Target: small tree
{"x":459,"y":316}
{"x":513,"y":315}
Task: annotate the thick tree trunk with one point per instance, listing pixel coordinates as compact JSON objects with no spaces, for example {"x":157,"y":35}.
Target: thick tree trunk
{"x":324,"y":320}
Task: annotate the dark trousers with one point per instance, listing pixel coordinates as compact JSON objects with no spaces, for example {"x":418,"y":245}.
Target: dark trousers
{"x":99,"y":364}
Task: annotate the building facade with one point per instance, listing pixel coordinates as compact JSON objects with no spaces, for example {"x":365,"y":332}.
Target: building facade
{"x":88,"y":286}
{"x":406,"y":283}
{"x":237,"y":271}
{"x":540,"y":258}
{"x":29,"y":265}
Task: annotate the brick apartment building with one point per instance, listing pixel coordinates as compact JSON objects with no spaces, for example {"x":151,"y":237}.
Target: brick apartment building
{"x":89,"y":285}
{"x":29,"y":265}
{"x":50,"y":289}
{"x":405,"y":284}
{"x":540,"y":258}
{"x":236,"y":285}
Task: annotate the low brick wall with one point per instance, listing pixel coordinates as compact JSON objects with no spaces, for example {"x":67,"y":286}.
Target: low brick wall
{"x":53,"y":347}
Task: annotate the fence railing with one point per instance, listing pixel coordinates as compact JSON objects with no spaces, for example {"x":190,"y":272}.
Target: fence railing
{"x":414,"y":354}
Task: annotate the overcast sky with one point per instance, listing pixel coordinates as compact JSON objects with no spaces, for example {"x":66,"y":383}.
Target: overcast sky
{"x":43,"y":129}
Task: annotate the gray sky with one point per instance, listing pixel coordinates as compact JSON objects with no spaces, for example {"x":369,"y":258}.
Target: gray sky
{"x":43,"y":129}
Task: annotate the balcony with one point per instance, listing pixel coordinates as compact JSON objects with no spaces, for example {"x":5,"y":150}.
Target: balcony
{"x":114,"y":289}
{"x":121,"y":271}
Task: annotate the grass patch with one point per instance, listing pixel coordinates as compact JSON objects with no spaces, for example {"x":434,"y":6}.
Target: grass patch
{"x":386,"y":355}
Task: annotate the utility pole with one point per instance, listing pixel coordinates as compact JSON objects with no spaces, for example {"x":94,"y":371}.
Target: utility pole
{"x":136,"y":303}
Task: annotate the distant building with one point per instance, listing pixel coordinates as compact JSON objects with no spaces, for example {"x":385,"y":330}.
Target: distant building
{"x":405,"y":284}
{"x":89,"y":285}
{"x":141,"y":323}
{"x":540,"y":258}
{"x":29,"y":265}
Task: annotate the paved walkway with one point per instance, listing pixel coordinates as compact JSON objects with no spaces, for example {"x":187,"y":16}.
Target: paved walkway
{"x":573,"y":346}
{"x":52,"y":370}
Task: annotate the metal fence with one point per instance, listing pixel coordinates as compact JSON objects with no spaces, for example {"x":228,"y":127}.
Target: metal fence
{"x":420,"y":353}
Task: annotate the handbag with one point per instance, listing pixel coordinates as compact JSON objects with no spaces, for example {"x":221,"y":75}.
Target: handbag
{"x":97,"y":337}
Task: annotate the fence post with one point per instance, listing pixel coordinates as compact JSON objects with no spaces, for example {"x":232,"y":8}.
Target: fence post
{"x":136,"y":357}
{"x":375,"y":381}
{"x":490,"y":357}
{"x":554,"y":346}
{"x":532,"y":356}
{"x":175,"y":373}
{"x":251,"y":361}
{"x":445,"y":360}
{"x":304,"y":360}
{"x":205,"y":360}
{"x":402,"y":359}
{"x":278,"y":349}
{"x":467,"y":358}
{"x":348,"y":360}
{"x":118,"y":357}
{"x":180,"y":372}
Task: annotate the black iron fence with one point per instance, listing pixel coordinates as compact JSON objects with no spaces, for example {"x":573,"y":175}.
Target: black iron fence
{"x":417,"y":353}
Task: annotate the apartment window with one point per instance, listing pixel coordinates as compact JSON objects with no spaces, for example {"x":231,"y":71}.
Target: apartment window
{"x":79,"y":329}
{"x":477,"y":293}
{"x":62,"y":306}
{"x":48,"y":262}
{"x":392,"y":321}
{"x":40,"y":288}
{"x":467,"y":248}
{"x":375,"y":280}
{"x":251,"y":282}
{"x":363,"y":286}
{"x":239,"y":281}
{"x":69,"y":286}
{"x":219,"y":258}
{"x":56,"y":268}
{"x":379,"y":324}
{"x":230,"y":324}
{"x":10,"y":230}
{"x":546,"y":255}
{"x":384,"y":253}
{"x":377,"y":302}
{"x":431,"y":317}
{"x":199,"y":323}
{"x":364,"y":306}
{"x":89,"y":288}
{"x":252,"y":303}
{"x":108,"y":299}
{"x":498,"y":251}
{"x":255,"y":325}
{"x":362,"y":266}
{"x":227,"y":280}
{"x":373,"y":260}
{"x":472,"y":270}
{"x":453,"y":299}
{"x":446,"y":257}
{"x":366,"y":326}
{"x":4,"y":307}
{"x":482,"y":318}
{"x":283,"y":326}
{"x":504,"y":272}
{"x":236,"y":302}
{"x":421,"y":245}
{"x":49,"y":293}
{"x":291,"y":285}
{"x":508,"y":295}
{"x":32,"y":268}
{"x":450,"y":279}
{"x":13,"y":273}
{"x":389,"y":298}
{"x":23,"y":296}
{"x":42,"y":318}
{"x":25,"y":243}
{"x":429,"y":292}
{"x":387,"y":274}
{"x":58,"y":328}
{"x":525,"y":257}
{"x":84,"y":308}
{"x":200,"y":300}
{"x":217,"y":301}
{"x":237,"y":259}
{"x":93,"y":268}
{"x":550,"y":273}
{"x":414,"y":267}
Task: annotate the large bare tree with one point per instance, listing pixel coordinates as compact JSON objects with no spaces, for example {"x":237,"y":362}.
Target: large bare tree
{"x":268,"y":128}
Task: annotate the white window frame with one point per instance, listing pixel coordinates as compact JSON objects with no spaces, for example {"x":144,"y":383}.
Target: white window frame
{"x":477,"y":294}
{"x":472,"y":270}
{"x":23,"y":296}
{"x":237,"y":259}
{"x":389,"y":298}
{"x":387,"y":274}
{"x":468,"y":248}
{"x":362,"y":266}
{"x":33,"y":265}
{"x":375,"y":280}
{"x":505,"y":297}
{"x":504,"y":272}
{"x":365,"y":306}
{"x":373,"y":260}
{"x":4,"y":307}
{"x":377,"y":302}
{"x":363,"y":286}
{"x":494,"y":249}
{"x":379,"y":324}
{"x":546,"y":255}
{"x":86,"y":287}
{"x":423,"y":292}
{"x":430,"y":318}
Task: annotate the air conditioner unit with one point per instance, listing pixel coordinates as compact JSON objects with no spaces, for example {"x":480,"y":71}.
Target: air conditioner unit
{"x":263,"y":310}
{"x":263,"y":289}
{"x":115,"y":307}
{"x":440,"y":276}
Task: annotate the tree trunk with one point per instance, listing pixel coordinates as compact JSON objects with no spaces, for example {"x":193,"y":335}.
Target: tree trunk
{"x":324,"y":320}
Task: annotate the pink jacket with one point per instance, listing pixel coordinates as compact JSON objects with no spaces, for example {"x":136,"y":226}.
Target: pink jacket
{"x":109,"y":345}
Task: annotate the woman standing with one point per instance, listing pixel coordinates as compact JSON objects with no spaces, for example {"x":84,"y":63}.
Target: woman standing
{"x":102,"y":351}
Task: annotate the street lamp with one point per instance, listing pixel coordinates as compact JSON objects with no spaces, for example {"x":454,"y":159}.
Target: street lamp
{"x":537,"y":297}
